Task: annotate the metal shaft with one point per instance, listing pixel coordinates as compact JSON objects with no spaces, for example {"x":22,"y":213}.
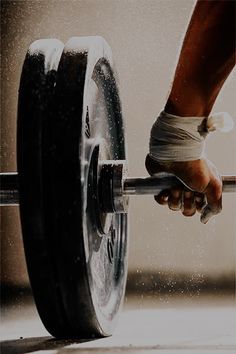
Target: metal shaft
{"x":132,"y":186}
{"x":153,"y":185}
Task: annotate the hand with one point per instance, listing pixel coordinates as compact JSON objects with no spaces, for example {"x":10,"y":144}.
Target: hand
{"x":201,"y":176}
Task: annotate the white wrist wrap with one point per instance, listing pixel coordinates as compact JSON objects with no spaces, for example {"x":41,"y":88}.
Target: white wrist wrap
{"x":175,"y":138}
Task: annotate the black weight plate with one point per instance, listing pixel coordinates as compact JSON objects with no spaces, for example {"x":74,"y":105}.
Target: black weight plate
{"x":68,"y":120}
{"x":86,"y":128}
{"x":34,"y":111}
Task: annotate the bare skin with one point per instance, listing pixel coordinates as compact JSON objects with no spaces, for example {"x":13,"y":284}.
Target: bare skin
{"x":207,"y":57}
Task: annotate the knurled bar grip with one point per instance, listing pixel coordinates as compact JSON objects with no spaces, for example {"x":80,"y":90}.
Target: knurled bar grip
{"x":153,"y":185}
{"x":9,"y":194}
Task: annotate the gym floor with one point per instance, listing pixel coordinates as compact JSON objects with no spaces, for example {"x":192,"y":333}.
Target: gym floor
{"x":203,"y":324}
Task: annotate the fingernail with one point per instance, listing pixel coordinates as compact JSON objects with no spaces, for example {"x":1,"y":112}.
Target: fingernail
{"x":175,"y":208}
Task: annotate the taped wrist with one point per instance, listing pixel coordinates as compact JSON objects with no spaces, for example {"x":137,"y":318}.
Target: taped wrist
{"x":175,"y":138}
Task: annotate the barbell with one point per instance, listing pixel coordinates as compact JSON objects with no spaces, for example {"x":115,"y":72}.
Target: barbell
{"x":72,"y":185}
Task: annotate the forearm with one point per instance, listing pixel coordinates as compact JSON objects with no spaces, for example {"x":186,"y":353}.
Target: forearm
{"x":206,"y":59}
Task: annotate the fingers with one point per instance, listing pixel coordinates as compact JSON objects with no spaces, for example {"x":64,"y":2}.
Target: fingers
{"x":189,"y":205}
{"x":175,"y":200}
{"x":202,"y":176}
{"x":200,"y":201}
{"x":214,"y":200}
{"x":187,"y":202}
{"x":162,"y":197}
{"x":208,"y":204}
{"x":172,"y":198}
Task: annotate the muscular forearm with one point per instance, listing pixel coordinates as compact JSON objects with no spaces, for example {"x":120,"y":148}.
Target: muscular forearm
{"x":206,"y":59}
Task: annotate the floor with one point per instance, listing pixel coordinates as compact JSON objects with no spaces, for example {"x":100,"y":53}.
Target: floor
{"x":204,"y":325}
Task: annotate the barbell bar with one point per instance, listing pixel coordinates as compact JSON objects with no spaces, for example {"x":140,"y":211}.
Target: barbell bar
{"x":9,"y":194}
{"x":153,"y":185}
{"x":72,"y":186}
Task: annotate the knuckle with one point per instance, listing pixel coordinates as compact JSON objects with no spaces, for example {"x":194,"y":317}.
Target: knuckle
{"x":188,"y":194}
{"x":176,"y":193}
{"x":216,"y":188}
{"x":201,"y":184}
{"x":214,"y":192}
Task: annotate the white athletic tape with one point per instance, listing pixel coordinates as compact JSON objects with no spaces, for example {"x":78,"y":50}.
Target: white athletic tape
{"x":175,"y":138}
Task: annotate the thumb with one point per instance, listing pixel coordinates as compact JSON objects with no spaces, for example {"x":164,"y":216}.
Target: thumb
{"x":206,"y":214}
{"x":214,"y":200}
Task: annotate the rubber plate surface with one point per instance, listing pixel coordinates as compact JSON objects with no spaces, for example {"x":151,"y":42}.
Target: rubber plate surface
{"x":71,"y":123}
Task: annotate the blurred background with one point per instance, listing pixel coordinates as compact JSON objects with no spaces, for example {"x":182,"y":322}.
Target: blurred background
{"x":168,"y":253}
